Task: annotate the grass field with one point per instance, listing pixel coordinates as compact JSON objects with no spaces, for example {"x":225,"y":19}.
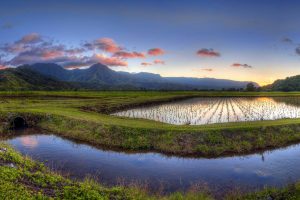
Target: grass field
{"x":85,"y":116}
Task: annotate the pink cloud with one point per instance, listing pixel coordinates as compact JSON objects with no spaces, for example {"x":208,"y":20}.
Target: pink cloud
{"x":208,"y":69}
{"x":42,"y":53}
{"x":156,"y":51}
{"x":79,"y":62}
{"x":124,"y":54}
{"x":104,"y":44}
{"x":22,"y":44}
{"x":208,"y":53}
{"x":155,"y":62}
{"x":33,"y":48}
{"x":146,"y":64}
{"x":110,"y":61}
{"x":3,"y":67}
{"x":50,"y":54}
{"x":30,"y":39}
{"x":13,"y":48}
{"x":159,"y":62}
{"x":241,"y":65}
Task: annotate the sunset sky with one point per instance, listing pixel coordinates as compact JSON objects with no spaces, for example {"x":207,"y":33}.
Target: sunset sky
{"x":257,"y":40}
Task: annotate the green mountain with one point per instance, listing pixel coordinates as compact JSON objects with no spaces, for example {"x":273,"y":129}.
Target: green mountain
{"x":99,"y":76}
{"x":26,"y":79}
{"x":50,"y":76}
{"x":289,"y":84}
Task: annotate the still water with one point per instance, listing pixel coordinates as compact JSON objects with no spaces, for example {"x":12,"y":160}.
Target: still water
{"x":272,"y":168}
{"x":209,"y":110}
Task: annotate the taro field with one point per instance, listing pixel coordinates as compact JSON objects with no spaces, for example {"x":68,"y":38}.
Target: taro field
{"x":209,"y":110}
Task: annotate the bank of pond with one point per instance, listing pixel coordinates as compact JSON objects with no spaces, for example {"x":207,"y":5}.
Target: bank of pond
{"x":159,"y":172}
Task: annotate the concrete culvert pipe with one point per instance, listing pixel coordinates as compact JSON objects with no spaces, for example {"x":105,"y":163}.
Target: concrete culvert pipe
{"x":18,"y":122}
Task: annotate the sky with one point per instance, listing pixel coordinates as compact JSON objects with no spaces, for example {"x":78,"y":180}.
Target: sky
{"x":247,"y":40}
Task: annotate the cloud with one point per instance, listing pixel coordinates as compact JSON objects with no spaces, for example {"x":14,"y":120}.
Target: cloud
{"x":146,"y":64}
{"x":7,"y":26}
{"x":208,"y":69}
{"x":203,"y":69}
{"x":73,"y":64}
{"x":290,"y":41}
{"x":155,"y":62}
{"x":287,"y":40}
{"x":104,"y":44}
{"x":74,"y":51}
{"x":23,"y":44}
{"x":2,"y":67}
{"x":156,"y":52}
{"x":12,"y":48}
{"x":159,"y":62}
{"x":125,"y":55}
{"x":297,"y":50}
{"x":208,"y":53}
{"x":42,"y":52}
{"x":110,"y":61}
{"x":30,"y":39}
{"x":237,"y":65}
{"x":33,"y":48}
{"x":79,"y":62}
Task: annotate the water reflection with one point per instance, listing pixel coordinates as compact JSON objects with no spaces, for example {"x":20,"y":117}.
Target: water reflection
{"x":29,"y":142}
{"x":210,"y":110}
{"x":272,"y":168}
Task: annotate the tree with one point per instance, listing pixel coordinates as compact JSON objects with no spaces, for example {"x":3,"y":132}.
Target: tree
{"x":250,"y":87}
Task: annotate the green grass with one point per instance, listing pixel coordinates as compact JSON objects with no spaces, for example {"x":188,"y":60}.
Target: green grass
{"x":83,"y":116}
{"x":290,"y":192}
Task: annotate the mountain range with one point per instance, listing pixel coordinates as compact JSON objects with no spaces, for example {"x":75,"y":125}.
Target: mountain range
{"x":50,"y":76}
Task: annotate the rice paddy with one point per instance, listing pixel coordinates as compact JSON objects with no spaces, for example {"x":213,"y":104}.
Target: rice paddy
{"x":210,"y":110}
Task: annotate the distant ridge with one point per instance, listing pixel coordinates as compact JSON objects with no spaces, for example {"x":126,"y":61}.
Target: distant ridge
{"x":210,"y":83}
{"x":99,"y":76}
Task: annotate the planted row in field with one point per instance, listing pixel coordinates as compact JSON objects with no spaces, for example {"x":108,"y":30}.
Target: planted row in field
{"x":199,"y":111}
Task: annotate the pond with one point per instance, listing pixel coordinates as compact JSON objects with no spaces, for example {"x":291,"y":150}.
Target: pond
{"x":209,"y":110}
{"x":160,"y":172}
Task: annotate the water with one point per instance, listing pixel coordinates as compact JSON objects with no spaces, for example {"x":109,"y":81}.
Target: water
{"x":272,"y":168}
{"x":209,"y":110}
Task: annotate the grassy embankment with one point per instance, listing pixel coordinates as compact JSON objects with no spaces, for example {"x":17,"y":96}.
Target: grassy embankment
{"x":84,"y":116}
{"x":25,"y":179}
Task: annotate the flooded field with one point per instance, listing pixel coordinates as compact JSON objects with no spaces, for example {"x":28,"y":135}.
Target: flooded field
{"x":211,"y":110}
{"x":159,"y":172}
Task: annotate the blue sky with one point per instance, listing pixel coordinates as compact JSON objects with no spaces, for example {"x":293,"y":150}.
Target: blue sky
{"x":232,"y":39}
